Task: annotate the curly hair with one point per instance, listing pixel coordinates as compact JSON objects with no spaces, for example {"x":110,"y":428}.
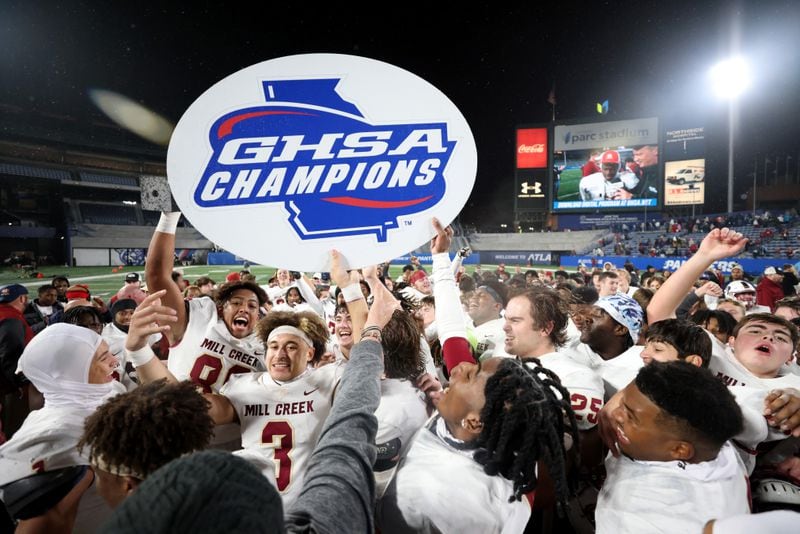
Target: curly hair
{"x":146,"y":428}
{"x":401,"y":346}
{"x":307,"y":321}
{"x":226,"y":290}
{"x":526,"y":415}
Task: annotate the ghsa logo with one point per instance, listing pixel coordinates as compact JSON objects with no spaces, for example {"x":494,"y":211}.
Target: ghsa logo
{"x":336,"y":173}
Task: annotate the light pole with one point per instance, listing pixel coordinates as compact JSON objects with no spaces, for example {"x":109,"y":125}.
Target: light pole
{"x":730,"y":78}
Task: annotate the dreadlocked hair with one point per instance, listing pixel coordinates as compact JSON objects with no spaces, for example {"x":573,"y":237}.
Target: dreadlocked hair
{"x":524,"y":422}
{"x":148,"y":427}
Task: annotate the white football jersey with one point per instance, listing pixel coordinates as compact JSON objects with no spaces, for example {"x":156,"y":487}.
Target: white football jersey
{"x":208,"y":354}
{"x":620,"y":371}
{"x":584,"y":385}
{"x":491,"y":339}
{"x":670,"y":497}
{"x":438,"y":472}
{"x":727,"y":368}
{"x":596,"y":187}
{"x":582,"y":354}
{"x":46,"y":441}
{"x":402,"y":411}
{"x":283,"y":421}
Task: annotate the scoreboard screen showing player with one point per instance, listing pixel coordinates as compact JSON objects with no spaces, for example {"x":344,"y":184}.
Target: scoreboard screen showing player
{"x":607,"y":166}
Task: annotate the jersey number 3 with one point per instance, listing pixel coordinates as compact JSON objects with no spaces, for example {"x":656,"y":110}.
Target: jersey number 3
{"x":279,"y":435}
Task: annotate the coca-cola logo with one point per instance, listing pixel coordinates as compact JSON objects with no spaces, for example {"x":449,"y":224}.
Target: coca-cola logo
{"x":531,"y":149}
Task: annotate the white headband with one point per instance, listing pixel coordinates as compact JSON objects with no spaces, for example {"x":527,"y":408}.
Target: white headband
{"x":286,"y":329}
{"x":100,"y":462}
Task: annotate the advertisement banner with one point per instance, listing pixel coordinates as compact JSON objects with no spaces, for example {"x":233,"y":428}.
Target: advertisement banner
{"x":606,"y":134}
{"x":427,"y":259}
{"x":517,"y":257}
{"x":532,"y":148}
{"x":684,"y":182}
{"x":287,"y":159}
{"x":531,"y":192}
{"x":685,"y":135}
{"x":750,"y":266}
{"x":684,"y":139}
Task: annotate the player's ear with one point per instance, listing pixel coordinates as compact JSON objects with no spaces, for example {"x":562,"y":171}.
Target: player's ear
{"x":681,"y":450}
{"x":620,"y":330}
{"x":694,"y":359}
{"x":472,"y":423}
{"x":131,"y":483}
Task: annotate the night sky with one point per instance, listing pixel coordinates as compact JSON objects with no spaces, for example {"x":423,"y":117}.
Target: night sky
{"x":497,"y":64}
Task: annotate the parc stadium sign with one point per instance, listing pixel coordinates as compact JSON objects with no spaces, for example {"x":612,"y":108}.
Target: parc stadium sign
{"x":287,"y":159}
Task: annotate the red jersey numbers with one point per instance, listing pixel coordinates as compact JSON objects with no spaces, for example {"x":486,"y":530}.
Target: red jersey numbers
{"x":207,"y":370}
{"x":279,"y":436}
{"x":580,"y":404}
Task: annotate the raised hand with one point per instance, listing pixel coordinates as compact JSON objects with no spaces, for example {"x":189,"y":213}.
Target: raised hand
{"x":721,"y":243}
{"x":339,"y":274}
{"x":441,"y":241}
{"x":150,"y":317}
{"x":709,"y":288}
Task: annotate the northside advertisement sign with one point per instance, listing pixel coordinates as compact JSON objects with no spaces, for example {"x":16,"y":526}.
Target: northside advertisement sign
{"x":287,"y":159}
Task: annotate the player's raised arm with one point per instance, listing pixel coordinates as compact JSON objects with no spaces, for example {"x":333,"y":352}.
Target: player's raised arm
{"x":158,"y":272}
{"x":351,"y":288}
{"x":152,"y":317}
{"x":718,"y":244}
{"x":449,"y":318}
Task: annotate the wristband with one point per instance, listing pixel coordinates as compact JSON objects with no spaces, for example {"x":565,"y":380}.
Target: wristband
{"x":168,"y":222}
{"x":352,"y":292}
{"x":141,"y":356}
{"x":372,"y":331}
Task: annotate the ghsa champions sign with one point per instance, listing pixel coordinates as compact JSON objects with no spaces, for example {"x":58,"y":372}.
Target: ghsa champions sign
{"x":287,"y":159}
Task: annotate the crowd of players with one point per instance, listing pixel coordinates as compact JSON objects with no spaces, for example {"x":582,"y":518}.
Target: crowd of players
{"x":437,"y":402}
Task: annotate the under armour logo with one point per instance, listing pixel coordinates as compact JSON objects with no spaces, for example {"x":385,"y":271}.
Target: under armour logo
{"x":536,"y":188}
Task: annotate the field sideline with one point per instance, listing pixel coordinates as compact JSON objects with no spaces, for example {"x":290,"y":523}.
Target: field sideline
{"x":104,"y":283}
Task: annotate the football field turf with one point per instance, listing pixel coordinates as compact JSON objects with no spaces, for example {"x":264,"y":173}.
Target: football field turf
{"x":568,"y":185}
{"x":104,"y":283}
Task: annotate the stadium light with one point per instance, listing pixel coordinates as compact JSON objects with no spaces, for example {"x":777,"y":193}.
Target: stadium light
{"x":729,"y":79}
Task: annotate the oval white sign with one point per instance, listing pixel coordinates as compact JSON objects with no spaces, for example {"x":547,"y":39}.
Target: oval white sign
{"x":286,"y":159}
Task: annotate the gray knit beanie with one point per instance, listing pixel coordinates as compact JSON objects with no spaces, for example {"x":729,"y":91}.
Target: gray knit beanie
{"x":206,"y":492}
